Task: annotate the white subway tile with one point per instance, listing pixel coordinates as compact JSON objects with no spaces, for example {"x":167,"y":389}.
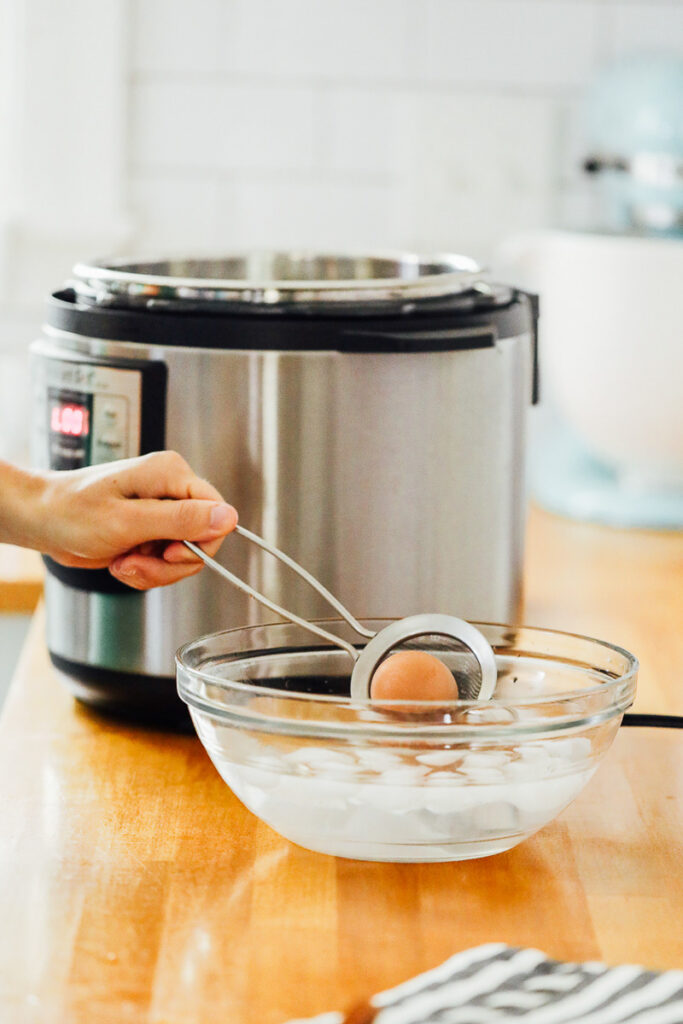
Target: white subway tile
{"x":174,"y":36}
{"x":359,"y":130}
{"x":66,"y":113}
{"x":221,"y":126}
{"x":482,"y":142}
{"x":477,"y":168}
{"x":518,"y":43}
{"x":475,"y":222}
{"x":174,"y":215}
{"x":175,"y":124}
{"x":645,"y":26}
{"x":311,"y":214}
{"x":348,"y":39}
{"x":15,"y":389}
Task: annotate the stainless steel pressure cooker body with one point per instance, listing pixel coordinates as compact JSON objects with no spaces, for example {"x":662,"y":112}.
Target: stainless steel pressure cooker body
{"x":364,"y":414}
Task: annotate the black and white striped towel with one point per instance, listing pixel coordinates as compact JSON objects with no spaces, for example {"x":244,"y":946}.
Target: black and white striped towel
{"x":496,"y":983}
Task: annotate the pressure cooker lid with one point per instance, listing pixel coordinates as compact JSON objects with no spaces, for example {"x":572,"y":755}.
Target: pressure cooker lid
{"x":274,"y":278}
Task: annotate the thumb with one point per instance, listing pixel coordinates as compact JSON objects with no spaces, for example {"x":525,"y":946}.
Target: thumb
{"x":183,"y":519}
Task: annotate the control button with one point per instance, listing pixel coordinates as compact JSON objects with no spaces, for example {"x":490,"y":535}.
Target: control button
{"x":110,"y":428}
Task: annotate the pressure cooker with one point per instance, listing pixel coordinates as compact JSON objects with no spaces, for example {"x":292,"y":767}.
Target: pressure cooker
{"x":364,"y":413}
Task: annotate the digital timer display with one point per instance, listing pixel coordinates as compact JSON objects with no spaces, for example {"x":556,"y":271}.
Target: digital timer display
{"x":70,"y":419}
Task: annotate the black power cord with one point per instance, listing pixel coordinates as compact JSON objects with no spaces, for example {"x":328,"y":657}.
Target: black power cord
{"x":654,"y":721}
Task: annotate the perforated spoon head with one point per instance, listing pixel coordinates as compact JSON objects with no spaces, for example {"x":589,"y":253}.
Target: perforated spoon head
{"x":477,"y":673}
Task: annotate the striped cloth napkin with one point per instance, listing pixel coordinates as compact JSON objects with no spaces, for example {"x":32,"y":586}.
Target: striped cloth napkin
{"x":496,"y":983}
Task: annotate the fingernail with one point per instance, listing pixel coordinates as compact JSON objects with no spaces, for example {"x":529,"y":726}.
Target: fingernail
{"x":221,"y":516}
{"x":118,"y":567}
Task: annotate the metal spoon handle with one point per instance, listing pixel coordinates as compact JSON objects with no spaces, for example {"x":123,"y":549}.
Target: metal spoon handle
{"x":311,"y":580}
{"x":241,"y":585}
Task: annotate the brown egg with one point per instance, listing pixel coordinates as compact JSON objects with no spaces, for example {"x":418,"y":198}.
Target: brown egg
{"x":413,"y":675}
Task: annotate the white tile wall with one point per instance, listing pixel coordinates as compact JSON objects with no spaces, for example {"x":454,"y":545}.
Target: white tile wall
{"x":431,"y":123}
{"x":642,"y":26}
{"x":174,"y":212}
{"x":360,"y":130}
{"x":222,"y":126}
{"x":510,"y":43}
{"x":439,"y":123}
{"x":479,"y":167}
{"x":17,"y":331}
{"x":310,"y":212}
{"x":174,"y":37}
{"x":344,"y":39}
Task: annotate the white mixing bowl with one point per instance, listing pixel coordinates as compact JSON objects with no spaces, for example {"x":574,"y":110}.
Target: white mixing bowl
{"x":611,"y":344}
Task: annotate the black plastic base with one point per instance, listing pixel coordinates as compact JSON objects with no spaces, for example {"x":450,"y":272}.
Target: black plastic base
{"x":150,"y":701}
{"x":153,"y":701}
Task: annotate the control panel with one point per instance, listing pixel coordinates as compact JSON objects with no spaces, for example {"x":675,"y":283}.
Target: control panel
{"x":89,"y":411}
{"x":92,"y":415}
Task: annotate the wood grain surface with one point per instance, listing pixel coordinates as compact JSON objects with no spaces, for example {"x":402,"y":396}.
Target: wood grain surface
{"x":21,"y":579}
{"x":134,"y":887}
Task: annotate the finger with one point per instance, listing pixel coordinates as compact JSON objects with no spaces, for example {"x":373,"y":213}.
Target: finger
{"x":150,"y":547}
{"x":176,"y":553}
{"x":185,"y":519}
{"x":163,"y":475}
{"x":143,"y":572}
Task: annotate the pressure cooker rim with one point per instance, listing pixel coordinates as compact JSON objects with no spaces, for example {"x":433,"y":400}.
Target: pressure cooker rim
{"x":279,"y":277}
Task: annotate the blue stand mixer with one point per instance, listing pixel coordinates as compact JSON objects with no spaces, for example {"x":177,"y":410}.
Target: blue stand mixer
{"x":610,"y":444}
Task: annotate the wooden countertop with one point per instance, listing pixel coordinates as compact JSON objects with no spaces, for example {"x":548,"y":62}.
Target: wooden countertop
{"x":21,"y":579}
{"x":135,"y":888}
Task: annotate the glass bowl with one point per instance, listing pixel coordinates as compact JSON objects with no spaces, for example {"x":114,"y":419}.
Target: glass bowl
{"x":418,"y":781}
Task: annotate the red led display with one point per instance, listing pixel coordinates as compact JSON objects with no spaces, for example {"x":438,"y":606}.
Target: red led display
{"x":70,"y":419}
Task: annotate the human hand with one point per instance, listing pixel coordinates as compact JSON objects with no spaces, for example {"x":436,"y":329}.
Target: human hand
{"x":118,"y":516}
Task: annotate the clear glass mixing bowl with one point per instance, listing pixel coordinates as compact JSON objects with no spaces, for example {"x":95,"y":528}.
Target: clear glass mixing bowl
{"x":403,"y":782}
